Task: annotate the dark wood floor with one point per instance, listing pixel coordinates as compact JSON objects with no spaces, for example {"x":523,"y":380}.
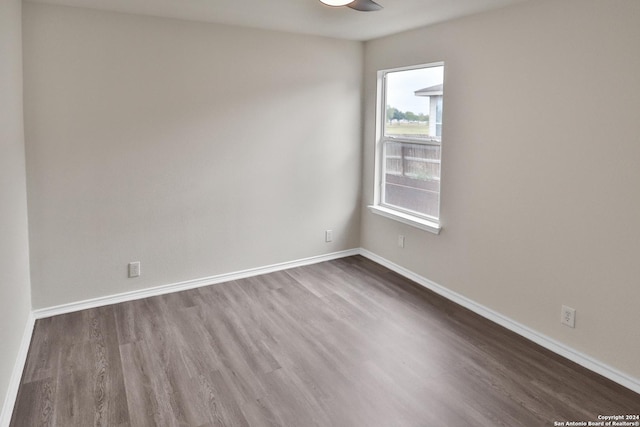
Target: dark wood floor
{"x":341,"y":343}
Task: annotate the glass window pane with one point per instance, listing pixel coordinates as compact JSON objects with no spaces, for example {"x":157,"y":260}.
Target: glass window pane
{"x":414,"y":102}
{"x":412,"y":177}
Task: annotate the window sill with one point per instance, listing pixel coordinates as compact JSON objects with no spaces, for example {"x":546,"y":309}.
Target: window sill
{"x":423,"y":224}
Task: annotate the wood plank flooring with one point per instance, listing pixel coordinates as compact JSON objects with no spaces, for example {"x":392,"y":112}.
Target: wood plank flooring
{"x":341,"y":343}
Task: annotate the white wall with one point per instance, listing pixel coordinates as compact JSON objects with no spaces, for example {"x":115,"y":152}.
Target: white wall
{"x":196,"y":149}
{"x":541,"y":165}
{"x":15,"y":300}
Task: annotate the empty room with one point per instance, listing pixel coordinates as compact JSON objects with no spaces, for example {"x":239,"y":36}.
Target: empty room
{"x":319,"y":213}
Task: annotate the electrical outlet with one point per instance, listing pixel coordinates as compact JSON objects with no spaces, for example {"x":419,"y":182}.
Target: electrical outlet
{"x":134,"y":269}
{"x":568,"y":316}
{"x":328,"y":236}
{"x":400,"y":241}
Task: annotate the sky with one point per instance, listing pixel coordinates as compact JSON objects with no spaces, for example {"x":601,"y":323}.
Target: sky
{"x":401,"y":86}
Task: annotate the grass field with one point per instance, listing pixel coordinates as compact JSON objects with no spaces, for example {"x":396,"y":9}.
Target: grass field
{"x":407,"y":129}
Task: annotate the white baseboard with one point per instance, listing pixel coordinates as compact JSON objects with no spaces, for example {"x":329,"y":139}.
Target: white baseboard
{"x":520,"y":329}
{"x":188,"y":284}
{"x":16,"y":374}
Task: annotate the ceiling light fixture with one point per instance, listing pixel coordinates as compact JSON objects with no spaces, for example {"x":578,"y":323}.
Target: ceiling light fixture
{"x":361,"y":5}
{"x":336,"y":2}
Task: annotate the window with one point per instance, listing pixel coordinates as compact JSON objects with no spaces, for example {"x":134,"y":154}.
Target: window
{"x":409,"y":145}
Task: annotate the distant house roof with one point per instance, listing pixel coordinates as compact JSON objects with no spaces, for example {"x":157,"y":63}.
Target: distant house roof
{"x":429,"y":91}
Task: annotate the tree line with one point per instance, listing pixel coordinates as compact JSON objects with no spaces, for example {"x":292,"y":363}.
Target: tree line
{"x":395,"y":114}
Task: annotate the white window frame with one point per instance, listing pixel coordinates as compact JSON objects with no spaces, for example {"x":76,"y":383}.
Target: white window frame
{"x":412,"y":218}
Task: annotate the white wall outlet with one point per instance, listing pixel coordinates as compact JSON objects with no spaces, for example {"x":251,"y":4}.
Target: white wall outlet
{"x":328,"y":235}
{"x":568,"y":316}
{"x":400,"y":241}
{"x":134,"y":269}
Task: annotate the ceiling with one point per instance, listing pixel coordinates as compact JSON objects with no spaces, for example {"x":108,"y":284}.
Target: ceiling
{"x":301,"y":16}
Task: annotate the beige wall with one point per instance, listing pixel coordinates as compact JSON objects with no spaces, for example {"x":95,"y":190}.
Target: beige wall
{"x":540,"y":197}
{"x":15,"y":302}
{"x":195,"y":149}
